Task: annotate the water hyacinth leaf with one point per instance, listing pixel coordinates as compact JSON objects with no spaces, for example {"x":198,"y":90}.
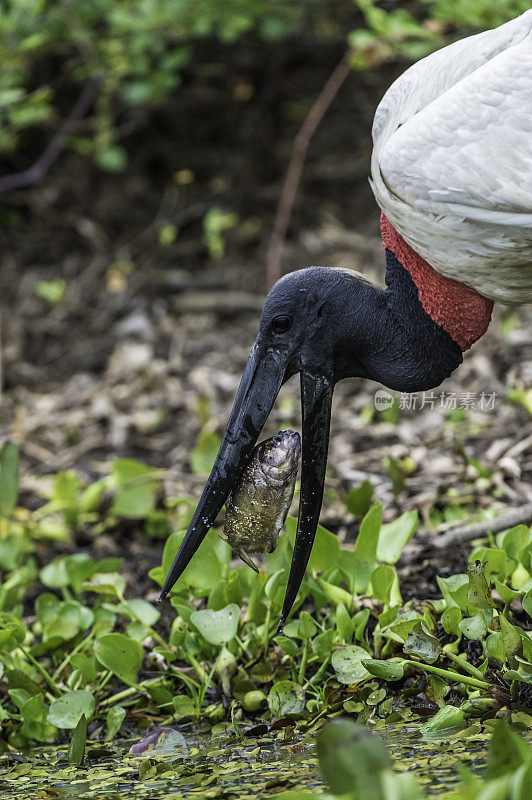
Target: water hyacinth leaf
{"x":454,"y":590}
{"x":9,"y":469}
{"x":506,"y":594}
{"x":496,"y":561}
{"x":352,"y":760}
{"x":347,"y":664}
{"x":120,"y":655}
{"x":325,"y":550}
{"x":322,"y":643}
{"x":385,"y":670}
{"x":394,"y":536}
{"x":514,"y":540}
{"x":450,"y":619}
{"x":527,"y":602}
{"x":183,"y":706}
{"x":358,"y":500}
{"x":287,"y":644}
{"x":115,"y":717}
{"x":76,"y":748}
{"x":360,"y":620}
{"x":368,"y":535}
{"x":34,"y":713}
{"x":286,"y":699}
{"x":205,"y":451}
{"x":507,"y":751}
{"x":478,"y":592}
{"x":144,"y":611}
{"x":306,"y":627}
{"x":447,"y":718}
{"x":382,"y":580}
{"x":135,"y":491}
{"x":12,"y":632}
{"x":422,"y":644}
{"x":344,"y":624}
{"x":474,"y":627}
{"x":66,"y":711}
{"x":217,"y":627}
{"x":511,"y":640}
{"x":160,"y":742}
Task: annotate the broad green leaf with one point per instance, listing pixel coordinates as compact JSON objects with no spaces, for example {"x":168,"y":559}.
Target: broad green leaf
{"x":450,"y":619}
{"x":358,"y":500}
{"x":352,"y":759}
{"x":204,"y":452}
{"x":325,"y":550}
{"x":288,"y":645}
{"x":145,"y":612}
{"x":422,"y":644}
{"x":478,"y":592}
{"x":217,"y":627}
{"x":286,"y":698}
{"x":511,"y":641}
{"x":448,"y":718}
{"x":368,"y":535}
{"x":344,"y":624}
{"x":507,"y":751}
{"x":9,"y":467}
{"x":382,"y":580}
{"x":36,"y":725}
{"x":183,"y":706}
{"x":515,"y":539}
{"x":12,"y":632}
{"x":506,"y":594}
{"x":120,"y":655}
{"x":474,"y":627}
{"x":306,"y":627}
{"x":66,"y":711}
{"x":347,"y":664}
{"x":385,"y":670}
{"x":454,"y":590}
{"x":76,"y":749}
{"x":135,"y":490}
{"x":322,"y":643}
{"x":394,"y":536}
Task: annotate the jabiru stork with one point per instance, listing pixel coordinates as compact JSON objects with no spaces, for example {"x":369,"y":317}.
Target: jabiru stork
{"x":452,"y":173}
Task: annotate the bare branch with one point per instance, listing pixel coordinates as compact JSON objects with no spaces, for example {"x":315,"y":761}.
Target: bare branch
{"x":295,"y":167}
{"x":35,"y":173}
{"x":517,"y":516}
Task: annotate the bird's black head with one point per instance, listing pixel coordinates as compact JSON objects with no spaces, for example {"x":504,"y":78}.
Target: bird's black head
{"x":301,"y":331}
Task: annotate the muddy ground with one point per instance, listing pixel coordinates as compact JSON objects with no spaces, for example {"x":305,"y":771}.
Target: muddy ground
{"x":147,"y":332}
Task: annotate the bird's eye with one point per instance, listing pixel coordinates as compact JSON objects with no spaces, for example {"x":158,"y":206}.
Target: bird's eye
{"x":282,"y":323}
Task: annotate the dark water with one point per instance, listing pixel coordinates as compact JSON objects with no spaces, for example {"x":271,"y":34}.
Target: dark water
{"x":203,"y":765}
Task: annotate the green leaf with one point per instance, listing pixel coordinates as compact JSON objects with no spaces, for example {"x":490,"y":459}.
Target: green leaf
{"x":217,"y":627}
{"x":9,"y":468}
{"x":382,"y":580}
{"x":76,"y":749}
{"x":515,"y":540}
{"x":368,"y":535}
{"x":474,"y":627}
{"x":507,"y":751}
{"x":205,"y":451}
{"x":183,"y":706}
{"x":506,"y":594}
{"x":448,"y":718}
{"x":385,"y":670}
{"x":352,"y":760}
{"x":322,"y":643}
{"x":51,"y":291}
{"x":114,"y":719}
{"x":347,"y":663}
{"x":136,"y":492}
{"x":344,"y":624}
{"x":288,"y":645}
{"x":120,"y":655}
{"x":450,"y":619}
{"x":454,"y":590}
{"x":422,"y":644}
{"x":66,"y":711}
{"x":478,"y":593}
{"x":358,"y":500}
{"x":394,"y":536}
{"x":306,"y":627}
{"x":511,"y":640}
{"x":12,"y":632}
{"x":286,"y":698}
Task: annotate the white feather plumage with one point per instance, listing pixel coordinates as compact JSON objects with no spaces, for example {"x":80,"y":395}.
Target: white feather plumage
{"x":452,"y":160}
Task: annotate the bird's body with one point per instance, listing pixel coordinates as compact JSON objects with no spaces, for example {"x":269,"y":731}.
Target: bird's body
{"x":452,"y":161}
{"x":452,"y":173}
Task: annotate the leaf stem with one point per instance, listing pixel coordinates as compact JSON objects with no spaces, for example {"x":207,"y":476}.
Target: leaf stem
{"x":447,"y":673}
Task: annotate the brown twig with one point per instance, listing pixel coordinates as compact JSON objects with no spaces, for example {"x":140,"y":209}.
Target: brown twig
{"x":295,"y":167}
{"x":35,"y":173}
{"x":517,"y":516}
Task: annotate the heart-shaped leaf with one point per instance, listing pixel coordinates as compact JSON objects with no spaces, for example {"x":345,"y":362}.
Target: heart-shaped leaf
{"x":119,"y":654}
{"x":347,"y":663}
{"x":217,"y":627}
{"x":66,"y":711}
{"x":286,"y":699}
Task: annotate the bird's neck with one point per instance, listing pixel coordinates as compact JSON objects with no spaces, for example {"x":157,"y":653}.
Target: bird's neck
{"x":460,"y":311}
{"x":413,"y":332}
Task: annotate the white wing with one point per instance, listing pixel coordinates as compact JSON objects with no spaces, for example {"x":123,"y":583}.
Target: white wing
{"x":452,"y":160}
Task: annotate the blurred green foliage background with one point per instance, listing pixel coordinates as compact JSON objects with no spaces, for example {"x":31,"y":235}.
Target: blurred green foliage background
{"x":138,"y":51}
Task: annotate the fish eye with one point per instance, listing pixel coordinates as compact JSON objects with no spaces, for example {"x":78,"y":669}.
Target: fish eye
{"x":282,"y":323}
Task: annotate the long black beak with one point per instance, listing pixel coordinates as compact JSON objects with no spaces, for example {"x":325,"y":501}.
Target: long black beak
{"x":260,"y":384}
{"x":316,"y":397}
